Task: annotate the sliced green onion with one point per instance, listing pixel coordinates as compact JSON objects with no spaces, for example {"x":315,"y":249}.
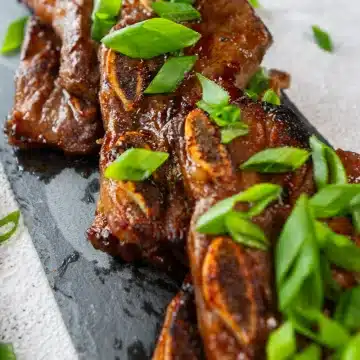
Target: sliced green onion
{"x":259,"y":82}
{"x":352,"y":349}
{"x":328,"y":167}
{"x":231,"y":132}
{"x":332,"y":288}
{"x":260,"y":196}
{"x":347,"y":310}
{"x":322,"y":38}
{"x":298,"y":265}
{"x":14,"y":35}
{"x":135,"y":165}
{"x":271,"y":97}
{"x":339,"y":249}
{"x":212,"y":93}
{"x":221,"y":115}
{"x":104,"y":17}
{"x":171,"y":75}
{"x":276,"y":160}
{"x":282,"y":343}
{"x":151,"y":38}
{"x":183,"y":1}
{"x":176,"y":11}
{"x":254,"y":3}
{"x":334,"y":200}
{"x":7,"y":352}
{"x":328,"y":332}
{"x":355,"y":214}
{"x":245,"y":232}
{"x":312,"y":352}
{"x":13,"y":218}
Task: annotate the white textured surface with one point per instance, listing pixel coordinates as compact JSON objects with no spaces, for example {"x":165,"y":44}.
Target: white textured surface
{"x":324,"y":87}
{"x":29,"y":316}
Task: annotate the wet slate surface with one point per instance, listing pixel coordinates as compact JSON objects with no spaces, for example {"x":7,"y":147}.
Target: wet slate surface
{"x":112,"y":310}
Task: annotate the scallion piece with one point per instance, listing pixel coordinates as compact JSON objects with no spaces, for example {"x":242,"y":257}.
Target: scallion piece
{"x":175,"y":11}
{"x":328,"y":168}
{"x":259,"y":196}
{"x":322,"y":38}
{"x":312,"y":352}
{"x":212,"y":93}
{"x":233,"y":131}
{"x":13,"y":218}
{"x":297,"y":266}
{"x":334,"y":200}
{"x":271,"y":97}
{"x":243,"y":231}
{"x":135,"y":165}
{"x":281,"y":344}
{"x":171,"y":75}
{"x":252,"y":95}
{"x":14,"y":36}
{"x":347,"y":310}
{"x":316,"y":326}
{"x":351,"y":350}
{"x":259,"y":82}
{"x":183,"y":1}
{"x":254,"y":3}
{"x":7,"y":352}
{"x":276,"y":160}
{"x":151,"y":38}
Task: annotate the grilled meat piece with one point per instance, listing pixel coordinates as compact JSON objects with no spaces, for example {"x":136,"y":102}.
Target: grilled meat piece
{"x":180,"y":338}
{"x":233,"y":284}
{"x":79,"y":73}
{"x":45,"y":114}
{"x":157,"y":211}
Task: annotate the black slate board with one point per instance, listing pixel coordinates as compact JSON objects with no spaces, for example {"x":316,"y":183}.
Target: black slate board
{"x":112,"y":310}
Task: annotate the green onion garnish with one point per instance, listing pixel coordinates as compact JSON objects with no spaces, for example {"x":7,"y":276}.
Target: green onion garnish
{"x":351,"y":350}
{"x":271,"y":97}
{"x":347,"y":310}
{"x":135,"y":165}
{"x":259,"y":82}
{"x":175,"y":11}
{"x":171,"y":75}
{"x":334,"y":200}
{"x":213,"y":94}
{"x":104,"y":17}
{"x":259,"y":196}
{"x":298,"y":264}
{"x":231,"y":132}
{"x":151,"y":38}
{"x":276,"y":160}
{"x":7,"y":352}
{"x":252,"y":95}
{"x":243,"y":231}
{"x":312,"y":352}
{"x":322,"y":38}
{"x":14,"y":36}
{"x":328,"y":168}
{"x":13,"y":219}
{"x":254,"y":3}
{"x":282,"y":343}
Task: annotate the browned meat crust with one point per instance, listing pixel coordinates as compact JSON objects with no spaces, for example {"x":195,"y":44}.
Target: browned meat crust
{"x":233,"y":284}
{"x":71,"y":19}
{"x":156,"y":212}
{"x":180,"y":338}
{"x":44,"y":113}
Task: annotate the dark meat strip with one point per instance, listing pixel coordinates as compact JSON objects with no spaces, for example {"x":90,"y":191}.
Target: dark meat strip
{"x":233,"y":284}
{"x":71,"y":19}
{"x":180,"y":338}
{"x":45,"y":114}
{"x":156,"y":212}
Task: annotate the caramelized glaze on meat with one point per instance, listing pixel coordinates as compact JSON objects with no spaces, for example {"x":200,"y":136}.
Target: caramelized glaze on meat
{"x":71,"y":20}
{"x":180,"y":338}
{"x":157,"y":212}
{"x":44,"y":113}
